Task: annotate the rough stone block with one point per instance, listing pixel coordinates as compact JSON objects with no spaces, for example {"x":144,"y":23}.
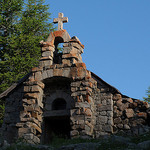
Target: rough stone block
{"x":74,"y":133}
{"x":36,"y":88}
{"x":87,"y":128}
{"x":22,"y":131}
{"x":47,"y":53}
{"x":103,"y":119}
{"x":110,"y":113}
{"x":81,"y":73}
{"x":142,"y":115}
{"x":31,"y":95}
{"x":38,"y":76}
{"x":117,"y":97}
{"x":57,"y":72}
{"x":103,"y":113}
{"x":78,"y":46}
{"x":66,"y":72}
{"x":105,"y":108}
{"x":110,"y":122}
{"x":108,"y":128}
{"x":44,"y":75}
{"x":50,"y":73}
{"x":129,"y":113}
{"x":74,"y":61}
{"x":87,"y":112}
{"x":66,"y":61}
{"x":82,"y":105}
{"x":66,"y":50}
{"x":76,"y":84}
{"x":117,"y":120}
{"x":70,"y":56}
{"x":36,"y":69}
{"x":48,"y":48}
{"x":126,"y":127}
{"x":27,"y":88}
{"x":120,"y":126}
{"x":36,"y":127}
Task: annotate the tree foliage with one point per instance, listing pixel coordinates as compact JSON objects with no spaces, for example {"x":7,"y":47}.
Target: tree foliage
{"x":147,"y":99}
{"x":23,"y":25}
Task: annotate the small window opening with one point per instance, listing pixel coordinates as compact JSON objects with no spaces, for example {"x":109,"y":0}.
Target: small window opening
{"x":59,"y":104}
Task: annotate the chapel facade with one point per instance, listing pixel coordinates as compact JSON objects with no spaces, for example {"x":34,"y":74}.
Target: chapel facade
{"x":62,"y":98}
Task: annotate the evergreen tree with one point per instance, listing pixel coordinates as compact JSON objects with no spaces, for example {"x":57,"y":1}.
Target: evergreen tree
{"x":147,"y":99}
{"x":10,"y":11}
{"x":20,"y":36}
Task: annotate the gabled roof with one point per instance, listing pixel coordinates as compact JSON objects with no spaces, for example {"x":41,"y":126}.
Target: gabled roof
{"x":100,"y":81}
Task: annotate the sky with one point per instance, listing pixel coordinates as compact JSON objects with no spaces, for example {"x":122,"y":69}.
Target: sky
{"x":116,"y":36}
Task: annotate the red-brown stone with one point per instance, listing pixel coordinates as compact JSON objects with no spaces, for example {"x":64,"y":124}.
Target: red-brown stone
{"x":142,"y":115}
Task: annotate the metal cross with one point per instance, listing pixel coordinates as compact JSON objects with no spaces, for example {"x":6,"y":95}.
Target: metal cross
{"x":60,"y":20}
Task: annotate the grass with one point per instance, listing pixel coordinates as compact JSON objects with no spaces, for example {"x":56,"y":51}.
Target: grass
{"x":58,"y":142}
{"x":140,"y":138}
{"x":103,"y":143}
{"x":21,"y":147}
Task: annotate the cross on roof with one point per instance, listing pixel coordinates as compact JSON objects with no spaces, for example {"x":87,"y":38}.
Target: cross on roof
{"x":60,"y":20}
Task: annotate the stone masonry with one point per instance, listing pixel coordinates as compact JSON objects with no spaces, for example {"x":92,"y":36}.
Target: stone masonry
{"x":61,"y":97}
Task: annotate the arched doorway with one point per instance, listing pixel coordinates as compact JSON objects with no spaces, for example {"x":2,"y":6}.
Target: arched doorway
{"x":56,"y":127}
{"x":57,"y":105}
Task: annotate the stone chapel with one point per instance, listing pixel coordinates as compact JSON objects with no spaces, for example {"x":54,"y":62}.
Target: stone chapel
{"x":62,"y":98}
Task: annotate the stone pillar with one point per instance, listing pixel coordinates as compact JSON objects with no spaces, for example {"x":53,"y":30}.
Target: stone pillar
{"x":72,"y":51}
{"x":31,"y":116}
{"x":47,"y":54}
{"x":82,"y":118}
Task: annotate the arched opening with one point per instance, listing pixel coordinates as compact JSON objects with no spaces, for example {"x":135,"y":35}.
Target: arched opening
{"x":58,"y":50}
{"x":59,"y":104}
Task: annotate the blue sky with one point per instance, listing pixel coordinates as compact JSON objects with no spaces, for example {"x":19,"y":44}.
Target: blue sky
{"x":116,"y":36}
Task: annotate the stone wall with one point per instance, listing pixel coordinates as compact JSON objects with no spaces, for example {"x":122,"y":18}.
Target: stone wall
{"x":13,"y":108}
{"x":131,"y":116}
{"x":103,"y":113}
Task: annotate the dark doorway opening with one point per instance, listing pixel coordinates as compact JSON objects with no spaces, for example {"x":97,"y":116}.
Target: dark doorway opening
{"x":56,"y":127}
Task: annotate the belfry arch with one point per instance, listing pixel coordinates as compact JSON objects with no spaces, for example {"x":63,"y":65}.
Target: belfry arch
{"x":57,"y":59}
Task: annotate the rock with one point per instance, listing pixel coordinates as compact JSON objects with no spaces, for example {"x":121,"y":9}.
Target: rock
{"x":121,"y":139}
{"x":117,"y":120}
{"x":74,"y":133}
{"x":126,"y":127}
{"x":144,"y":145}
{"x":6,"y":144}
{"x":117,"y":97}
{"x":129,"y":113}
{"x":142,"y":115}
{"x":80,"y":146}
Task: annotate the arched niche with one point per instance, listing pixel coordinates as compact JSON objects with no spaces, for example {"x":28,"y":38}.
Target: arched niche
{"x":59,"y":104}
{"x":59,"y":101}
{"x":57,"y":91}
